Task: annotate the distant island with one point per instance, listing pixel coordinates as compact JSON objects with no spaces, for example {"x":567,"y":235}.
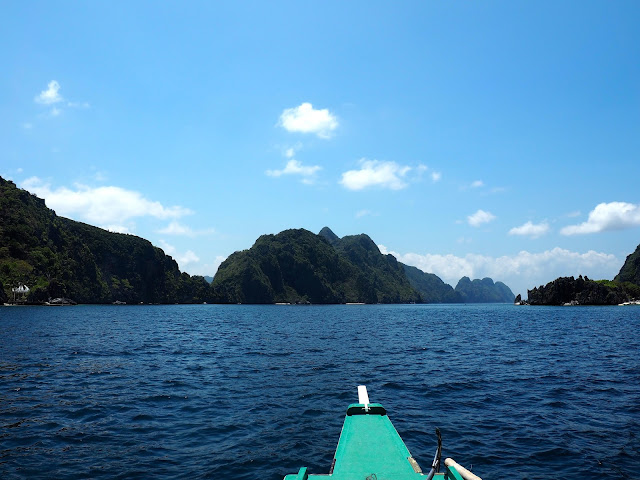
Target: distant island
{"x":45,"y":258}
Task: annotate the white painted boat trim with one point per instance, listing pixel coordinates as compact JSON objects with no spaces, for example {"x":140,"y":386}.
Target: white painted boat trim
{"x":363,"y":396}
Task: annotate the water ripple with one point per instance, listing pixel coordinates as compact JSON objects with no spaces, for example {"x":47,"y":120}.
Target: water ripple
{"x":240,"y":391}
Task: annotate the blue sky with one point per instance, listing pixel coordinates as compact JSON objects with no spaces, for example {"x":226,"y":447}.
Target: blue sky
{"x":468,"y":138}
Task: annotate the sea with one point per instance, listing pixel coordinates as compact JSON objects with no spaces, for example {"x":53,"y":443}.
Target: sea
{"x":246,"y":392}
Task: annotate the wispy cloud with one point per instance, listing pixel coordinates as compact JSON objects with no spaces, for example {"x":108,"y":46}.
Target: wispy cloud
{"x":376,"y":173}
{"x":606,"y":217}
{"x":177,"y":228}
{"x":116,"y":228}
{"x":108,"y":205}
{"x":520,"y":272}
{"x":420,"y":169}
{"x":294,"y":167}
{"x":364,"y":213}
{"x":51,"y":95}
{"x":477,"y":184}
{"x":530,"y":229}
{"x":480,"y":217}
{"x":78,"y":104}
{"x":305,"y":119}
{"x":203,"y":268}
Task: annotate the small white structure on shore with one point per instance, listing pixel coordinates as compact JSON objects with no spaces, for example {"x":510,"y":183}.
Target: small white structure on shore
{"x":20,"y":291}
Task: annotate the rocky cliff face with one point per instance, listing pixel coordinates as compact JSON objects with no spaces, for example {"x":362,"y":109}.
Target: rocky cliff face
{"x":578,"y":291}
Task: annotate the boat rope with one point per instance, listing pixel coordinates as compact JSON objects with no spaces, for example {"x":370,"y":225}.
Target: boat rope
{"x":435,"y":465}
{"x":438,"y":456}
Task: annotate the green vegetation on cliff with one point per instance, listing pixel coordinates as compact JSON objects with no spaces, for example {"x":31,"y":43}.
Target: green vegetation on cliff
{"x":431,"y":288}
{"x":383,"y":277}
{"x":297,"y":266}
{"x":59,"y":257}
{"x":630,"y":271}
{"x":484,"y":291}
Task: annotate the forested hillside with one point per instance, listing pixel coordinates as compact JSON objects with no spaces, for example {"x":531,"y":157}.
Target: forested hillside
{"x":58,"y":257}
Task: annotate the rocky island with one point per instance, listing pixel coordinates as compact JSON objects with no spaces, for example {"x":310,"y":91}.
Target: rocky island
{"x":625,"y":287}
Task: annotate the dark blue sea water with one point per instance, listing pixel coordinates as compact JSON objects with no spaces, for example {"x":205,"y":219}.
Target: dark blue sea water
{"x":246,"y":392}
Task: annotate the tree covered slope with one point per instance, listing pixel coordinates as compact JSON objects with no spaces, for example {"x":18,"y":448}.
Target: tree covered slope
{"x":297,"y":266}
{"x":58,"y":257}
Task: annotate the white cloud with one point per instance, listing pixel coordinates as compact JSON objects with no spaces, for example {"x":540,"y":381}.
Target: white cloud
{"x":480,"y":217}
{"x":101,"y":205}
{"x":606,"y":217}
{"x":530,"y":229}
{"x":363,"y":213}
{"x":27,"y":126}
{"x":176,"y":228}
{"x":477,"y":184}
{"x":116,"y":228}
{"x":216,"y":264}
{"x":78,"y":104}
{"x":294,"y":167}
{"x":375,"y":173}
{"x":420,"y":169}
{"x":100,"y":176}
{"x":51,"y":95}
{"x":209,"y":269}
{"x":306,"y":119}
{"x":183,"y":259}
{"x":521,"y":272}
